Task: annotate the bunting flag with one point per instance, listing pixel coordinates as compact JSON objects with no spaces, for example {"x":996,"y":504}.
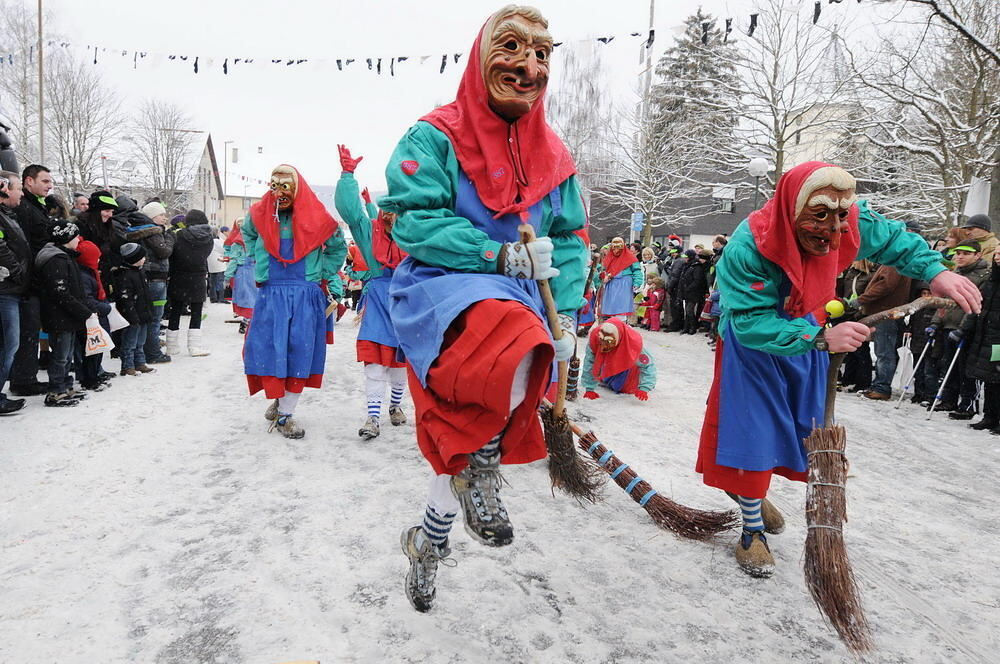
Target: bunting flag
{"x":753,"y":25}
{"x":817,"y":10}
{"x":729,"y":28}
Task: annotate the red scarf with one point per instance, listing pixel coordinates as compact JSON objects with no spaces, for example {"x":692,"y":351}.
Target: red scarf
{"x":312,"y":225}
{"x":512,"y":165}
{"x":622,"y":357}
{"x":90,"y":257}
{"x":235,"y":237}
{"x":358,"y":262}
{"x":814,"y":278}
{"x":385,"y":249}
{"x":613,"y":265}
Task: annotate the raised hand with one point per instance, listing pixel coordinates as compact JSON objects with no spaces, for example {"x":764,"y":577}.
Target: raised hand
{"x":347,"y":163}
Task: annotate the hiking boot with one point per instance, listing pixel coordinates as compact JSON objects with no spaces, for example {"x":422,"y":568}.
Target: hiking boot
{"x":424,"y":558}
{"x":287,"y":427}
{"x":95,"y":387}
{"x":370,"y":429}
{"x":396,"y":416}
{"x":478,"y":490}
{"x":774,"y":522}
{"x":142,"y":368}
{"x":754,"y":556}
{"x":60,"y":400}
{"x":9,"y":406}
{"x":129,"y":372}
{"x":961,"y":415}
{"x":271,"y":414}
{"x":79,"y":395}
{"x":876,"y":396}
{"x":984,"y":424}
{"x":159,"y":359}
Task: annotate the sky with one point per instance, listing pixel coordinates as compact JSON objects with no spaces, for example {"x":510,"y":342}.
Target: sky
{"x":298,"y":114}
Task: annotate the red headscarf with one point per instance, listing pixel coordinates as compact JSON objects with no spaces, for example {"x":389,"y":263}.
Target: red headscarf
{"x":312,"y":224}
{"x":622,"y":357}
{"x":613,"y":265}
{"x":773,"y":227}
{"x":235,"y":236}
{"x":386,"y":251}
{"x":512,"y":165}
{"x":358,"y":262}
{"x":90,"y":257}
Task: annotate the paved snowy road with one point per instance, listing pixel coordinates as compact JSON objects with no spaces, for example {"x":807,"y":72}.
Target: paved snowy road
{"x":159,"y":523}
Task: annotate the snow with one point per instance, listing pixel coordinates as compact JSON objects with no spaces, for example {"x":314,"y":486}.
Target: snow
{"x":159,"y":522}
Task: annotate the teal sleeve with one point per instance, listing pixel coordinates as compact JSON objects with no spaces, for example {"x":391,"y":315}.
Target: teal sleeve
{"x":647,"y":372}
{"x":638,"y":278}
{"x":887,"y":242}
{"x":334,"y":253}
{"x":347,"y":199}
{"x":249,"y":234}
{"x":749,"y":298}
{"x":587,"y":373}
{"x":424,"y":197}
{"x":371,"y":210}
{"x":569,"y":255}
{"x":237,"y":257}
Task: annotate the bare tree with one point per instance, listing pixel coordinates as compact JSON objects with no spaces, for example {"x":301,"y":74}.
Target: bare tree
{"x":163,"y":146}
{"x":954,"y":14}
{"x":83,"y":118}
{"x":19,"y":80}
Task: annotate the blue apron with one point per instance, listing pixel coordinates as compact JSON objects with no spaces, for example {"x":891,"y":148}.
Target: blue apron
{"x":287,"y":336}
{"x":425,"y":299}
{"x":245,"y":285}
{"x":376,"y":324}
{"x":618,"y":298}
{"x":769,"y":403}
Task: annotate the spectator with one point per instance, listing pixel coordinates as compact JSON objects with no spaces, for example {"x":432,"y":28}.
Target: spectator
{"x":188,"y":282}
{"x":15,"y":271}
{"x":55,"y":208}
{"x":98,"y":225}
{"x":34,"y":221}
{"x":917,"y":327}
{"x":984,"y":337}
{"x":944,"y":328}
{"x":217,"y":270}
{"x":857,"y":364}
{"x":64,"y":308}
{"x":979,"y":228}
{"x":649,"y":264}
{"x":676,"y":304}
{"x":159,"y":245}
{"x":136,"y":306}
{"x":80,"y":203}
{"x":91,"y":376}
{"x":694,"y":287}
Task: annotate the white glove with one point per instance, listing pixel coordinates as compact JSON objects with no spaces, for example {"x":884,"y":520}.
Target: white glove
{"x":528,"y":261}
{"x":566,"y":346}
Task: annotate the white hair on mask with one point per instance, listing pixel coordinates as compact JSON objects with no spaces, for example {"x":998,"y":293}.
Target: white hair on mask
{"x":610,"y":329}
{"x":828,"y":176}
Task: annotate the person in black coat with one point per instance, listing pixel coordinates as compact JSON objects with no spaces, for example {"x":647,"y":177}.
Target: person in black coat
{"x":188,"y":283}
{"x":136,"y":305}
{"x":89,"y":371}
{"x":64,"y":308}
{"x":693,"y":288}
{"x":99,"y":225}
{"x":15,"y":275}
{"x":983,"y":332}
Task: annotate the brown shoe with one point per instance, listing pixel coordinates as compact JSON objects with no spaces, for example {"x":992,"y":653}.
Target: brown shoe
{"x":128,"y":372}
{"x":142,"y":368}
{"x":753,"y":555}
{"x":876,"y":396}
{"x":774,"y":522}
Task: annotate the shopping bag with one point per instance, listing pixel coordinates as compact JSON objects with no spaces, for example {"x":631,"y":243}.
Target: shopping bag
{"x":904,"y":366}
{"x":115,"y":320}
{"x":98,"y":339}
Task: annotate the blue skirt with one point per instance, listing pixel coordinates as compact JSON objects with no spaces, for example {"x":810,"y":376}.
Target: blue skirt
{"x":288,"y":335}
{"x":376,"y":324}
{"x":618,"y":299}
{"x":244,"y":285}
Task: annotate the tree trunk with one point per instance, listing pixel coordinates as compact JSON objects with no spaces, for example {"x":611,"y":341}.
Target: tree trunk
{"x":995,"y":190}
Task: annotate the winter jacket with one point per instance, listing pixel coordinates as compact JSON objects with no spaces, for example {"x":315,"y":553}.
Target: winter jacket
{"x":987,"y":245}
{"x":132,"y":295}
{"x":34,"y":222}
{"x":89,"y":281}
{"x":215,"y":262}
{"x":189,"y":261}
{"x":983,"y":333}
{"x":919,"y":322}
{"x":951,"y":319}
{"x":853,"y":283}
{"x":674,"y":274}
{"x":15,"y":255}
{"x":694,"y":281}
{"x":159,"y":245}
{"x":63,"y":301}
{"x":887,"y":289}
{"x":108,"y":236}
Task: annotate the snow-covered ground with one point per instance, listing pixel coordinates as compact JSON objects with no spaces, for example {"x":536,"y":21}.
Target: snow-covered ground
{"x":159,"y":522}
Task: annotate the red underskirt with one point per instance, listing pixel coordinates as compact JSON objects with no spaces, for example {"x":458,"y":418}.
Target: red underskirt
{"x":241,"y":311}
{"x":275,"y":388}
{"x":371,"y":352}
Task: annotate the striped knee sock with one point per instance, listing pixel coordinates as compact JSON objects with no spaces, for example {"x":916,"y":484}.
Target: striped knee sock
{"x":485,"y":454}
{"x":397,"y":385}
{"x":396,"y":396}
{"x":752,"y":520}
{"x":437,"y":526}
{"x":374,"y":407}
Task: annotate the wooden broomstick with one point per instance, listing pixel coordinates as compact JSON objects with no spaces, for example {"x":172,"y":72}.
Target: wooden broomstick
{"x":827,"y":568}
{"x":681,"y":520}
{"x":573,"y":384}
{"x":568,"y":471}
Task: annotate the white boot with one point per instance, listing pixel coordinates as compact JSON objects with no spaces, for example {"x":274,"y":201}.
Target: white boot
{"x":194,"y":344}
{"x":173,"y":342}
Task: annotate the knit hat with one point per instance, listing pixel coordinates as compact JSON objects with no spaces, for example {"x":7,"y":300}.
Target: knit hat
{"x":979,"y":221}
{"x":102,"y":200}
{"x":690,"y":253}
{"x":195,"y":217}
{"x":63,"y":232}
{"x":153,"y":210}
{"x":969,"y":245}
{"x":132,"y":252}
{"x":177,"y":220}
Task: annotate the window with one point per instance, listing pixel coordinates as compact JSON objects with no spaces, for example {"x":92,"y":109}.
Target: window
{"x":724,"y":199}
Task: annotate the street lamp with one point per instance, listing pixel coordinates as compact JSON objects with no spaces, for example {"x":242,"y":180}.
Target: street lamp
{"x":225,"y":181}
{"x":758,"y":168}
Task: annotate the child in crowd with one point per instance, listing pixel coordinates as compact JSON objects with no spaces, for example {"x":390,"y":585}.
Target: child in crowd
{"x":89,"y":373}
{"x":655,"y":297}
{"x":136,"y":305}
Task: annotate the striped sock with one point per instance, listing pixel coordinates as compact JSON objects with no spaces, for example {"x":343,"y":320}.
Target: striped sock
{"x":752,"y":520}
{"x":437,"y":526}
{"x":485,"y":454}
{"x":396,"y":396}
{"x":374,"y":407}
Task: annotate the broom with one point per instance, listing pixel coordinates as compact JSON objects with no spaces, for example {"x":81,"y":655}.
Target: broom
{"x":828,"y":571}
{"x":568,"y":471}
{"x":573,"y":384}
{"x":681,"y":520}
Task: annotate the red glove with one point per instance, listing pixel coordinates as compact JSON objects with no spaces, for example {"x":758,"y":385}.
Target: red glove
{"x":364,"y":193}
{"x":641,"y":395}
{"x":591,"y":395}
{"x":347,"y":164}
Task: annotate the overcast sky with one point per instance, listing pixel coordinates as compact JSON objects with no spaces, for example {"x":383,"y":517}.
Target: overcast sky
{"x":298,"y":114}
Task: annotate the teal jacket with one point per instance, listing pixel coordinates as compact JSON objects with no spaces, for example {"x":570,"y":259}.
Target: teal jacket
{"x":322,"y":263}
{"x":429,"y":231}
{"x":237,"y":256}
{"x":753,"y":313}
{"x":348,"y":202}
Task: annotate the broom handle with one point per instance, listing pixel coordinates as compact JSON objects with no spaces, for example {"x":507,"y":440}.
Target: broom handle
{"x":527,"y":232}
